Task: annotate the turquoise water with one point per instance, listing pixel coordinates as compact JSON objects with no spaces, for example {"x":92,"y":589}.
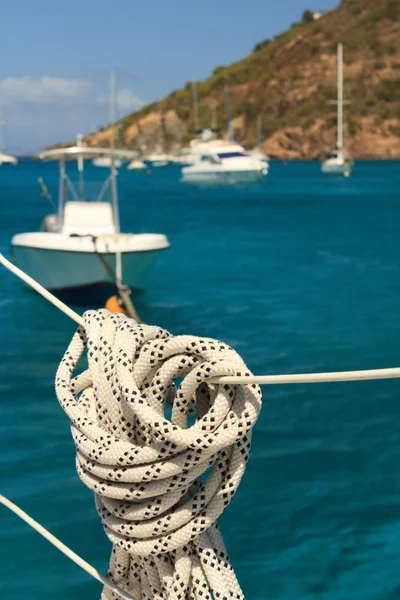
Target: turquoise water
{"x":299,"y":275}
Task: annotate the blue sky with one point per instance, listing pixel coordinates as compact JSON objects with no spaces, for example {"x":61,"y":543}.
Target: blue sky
{"x":55,"y":55}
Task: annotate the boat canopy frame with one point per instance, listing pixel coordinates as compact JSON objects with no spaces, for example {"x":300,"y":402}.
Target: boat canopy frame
{"x":81,"y":153}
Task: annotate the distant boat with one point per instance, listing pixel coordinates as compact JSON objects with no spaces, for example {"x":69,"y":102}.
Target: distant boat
{"x":80,"y":251}
{"x":221,"y":162}
{"x":158,"y":159}
{"x":337,"y":161}
{"x":136,"y":165}
{"x":106,"y":162}
{"x":5,"y":159}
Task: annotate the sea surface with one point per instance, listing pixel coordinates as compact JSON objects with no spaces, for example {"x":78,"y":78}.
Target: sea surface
{"x":301,"y":274}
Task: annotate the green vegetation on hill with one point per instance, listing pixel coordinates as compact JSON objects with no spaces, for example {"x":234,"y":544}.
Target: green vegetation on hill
{"x":291,"y":79}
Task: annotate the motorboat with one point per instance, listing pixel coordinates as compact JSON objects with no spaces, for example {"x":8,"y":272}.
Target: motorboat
{"x":80,"y":252}
{"x":223,"y":162}
{"x":136,"y":165}
{"x":337,"y":161}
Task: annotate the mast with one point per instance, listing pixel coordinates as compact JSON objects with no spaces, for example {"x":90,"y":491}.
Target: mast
{"x":161,"y":141}
{"x":259,"y":131}
{"x":1,"y":131}
{"x":214,"y":121}
{"x":112,"y":108}
{"x":113,"y":182}
{"x":228,"y":113}
{"x":61,"y":195}
{"x":195,"y":106}
{"x":79,"y":143}
{"x":340,"y":97}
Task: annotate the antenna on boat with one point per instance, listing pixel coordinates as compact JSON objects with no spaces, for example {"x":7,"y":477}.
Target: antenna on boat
{"x":161,"y":141}
{"x":228,"y":113}
{"x":112,"y":109}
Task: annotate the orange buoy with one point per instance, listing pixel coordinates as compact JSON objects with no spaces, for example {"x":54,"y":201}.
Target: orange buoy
{"x":114,"y":304}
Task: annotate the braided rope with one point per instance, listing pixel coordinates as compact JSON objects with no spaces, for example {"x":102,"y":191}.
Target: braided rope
{"x":160,"y":483}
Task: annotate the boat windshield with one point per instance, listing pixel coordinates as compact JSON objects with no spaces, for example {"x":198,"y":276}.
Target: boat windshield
{"x":230,"y":154}
{"x":208,"y":158}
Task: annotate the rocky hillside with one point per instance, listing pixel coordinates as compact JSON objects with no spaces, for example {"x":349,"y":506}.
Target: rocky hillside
{"x":289,"y":81}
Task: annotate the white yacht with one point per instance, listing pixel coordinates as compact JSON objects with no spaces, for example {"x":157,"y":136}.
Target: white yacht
{"x":337,"y":161}
{"x":80,"y":252}
{"x":223,"y":162}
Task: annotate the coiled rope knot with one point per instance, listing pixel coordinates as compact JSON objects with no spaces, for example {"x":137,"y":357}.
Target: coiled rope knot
{"x":146,"y":446}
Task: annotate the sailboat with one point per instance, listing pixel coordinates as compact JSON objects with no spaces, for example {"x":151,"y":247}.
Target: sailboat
{"x":337,"y":161}
{"x":5,"y":159}
{"x":107,"y":161}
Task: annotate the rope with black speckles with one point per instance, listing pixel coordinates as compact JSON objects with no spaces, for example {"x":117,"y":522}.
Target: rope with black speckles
{"x":163,"y":460}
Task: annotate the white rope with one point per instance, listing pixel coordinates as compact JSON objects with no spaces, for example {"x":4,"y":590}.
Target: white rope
{"x":41,"y":290}
{"x":155,"y":491}
{"x":367,"y":375}
{"x":360,"y":375}
{"x":64,"y":549}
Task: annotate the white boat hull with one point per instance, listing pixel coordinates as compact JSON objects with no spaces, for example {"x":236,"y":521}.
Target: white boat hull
{"x":190,"y":175}
{"x":74,"y":266}
{"x":137,"y":165}
{"x":5,"y":159}
{"x":336,"y":168}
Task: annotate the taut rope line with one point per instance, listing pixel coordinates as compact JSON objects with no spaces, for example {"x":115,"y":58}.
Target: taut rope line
{"x":361,"y":375}
{"x":64,"y":549}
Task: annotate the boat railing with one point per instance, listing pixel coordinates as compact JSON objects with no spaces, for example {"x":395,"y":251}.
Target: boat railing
{"x":98,"y":190}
